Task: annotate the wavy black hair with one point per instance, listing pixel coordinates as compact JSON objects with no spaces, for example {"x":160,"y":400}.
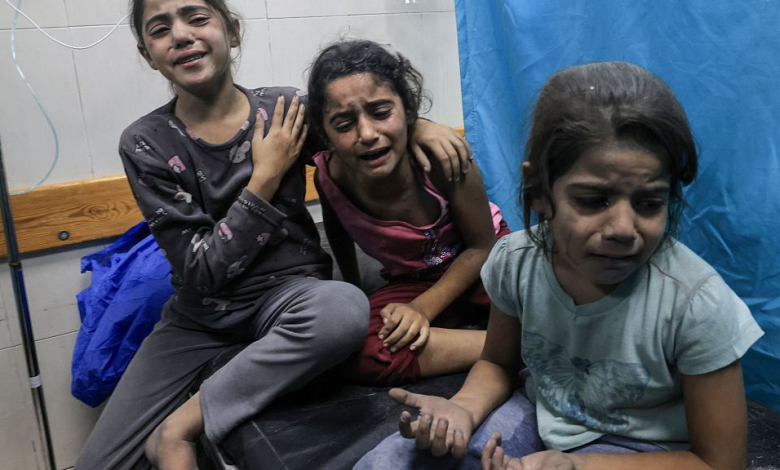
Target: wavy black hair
{"x":602,"y":104}
{"x":349,"y":57}
{"x":220,"y":6}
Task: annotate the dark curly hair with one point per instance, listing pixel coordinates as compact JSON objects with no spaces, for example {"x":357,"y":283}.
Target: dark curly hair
{"x":219,"y":6}
{"x":599,"y":104}
{"x":350,"y":57}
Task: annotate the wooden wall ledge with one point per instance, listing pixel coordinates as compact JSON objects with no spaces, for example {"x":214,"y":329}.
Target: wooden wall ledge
{"x":80,"y":211}
{"x":65,"y":214}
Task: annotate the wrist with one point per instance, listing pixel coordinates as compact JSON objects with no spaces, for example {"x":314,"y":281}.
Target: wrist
{"x":464,"y":404}
{"x":265,"y":170}
{"x":263,"y":185}
{"x":420,"y":123}
{"x":427,"y":311}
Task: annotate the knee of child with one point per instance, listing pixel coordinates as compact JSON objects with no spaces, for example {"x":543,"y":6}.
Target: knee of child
{"x":346,"y":312}
{"x":354,"y":311}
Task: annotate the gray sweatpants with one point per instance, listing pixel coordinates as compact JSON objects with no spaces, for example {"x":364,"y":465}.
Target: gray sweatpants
{"x":302,"y":328}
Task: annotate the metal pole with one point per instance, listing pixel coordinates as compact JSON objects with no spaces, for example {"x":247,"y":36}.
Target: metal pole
{"x":28,"y":340}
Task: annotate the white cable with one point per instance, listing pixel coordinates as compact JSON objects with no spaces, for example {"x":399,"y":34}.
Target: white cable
{"x":32,"y":91}
{"x":40,"y":106}
{"x":18,"y":11}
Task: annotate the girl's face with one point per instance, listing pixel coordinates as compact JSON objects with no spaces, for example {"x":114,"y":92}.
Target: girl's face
{"x":365,"y":122}
{"x":611,"y":211}
{"x":188,"y":42}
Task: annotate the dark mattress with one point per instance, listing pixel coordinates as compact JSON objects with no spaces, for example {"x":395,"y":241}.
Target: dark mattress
{"x":330,"y":424}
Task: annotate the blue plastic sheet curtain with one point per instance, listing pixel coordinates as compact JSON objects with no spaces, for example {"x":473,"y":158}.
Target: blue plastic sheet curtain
{"x":722,"y":59}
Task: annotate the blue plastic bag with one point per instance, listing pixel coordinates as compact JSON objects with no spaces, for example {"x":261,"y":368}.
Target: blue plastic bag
{"x":130,"y":285}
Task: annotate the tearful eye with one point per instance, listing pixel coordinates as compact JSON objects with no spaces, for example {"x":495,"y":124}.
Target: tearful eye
{"x":342,"y":128}
{"x":156,"y":32}
{"x":382,"y":114}
{"x":592,"y":202}
{"x":651,"y":205}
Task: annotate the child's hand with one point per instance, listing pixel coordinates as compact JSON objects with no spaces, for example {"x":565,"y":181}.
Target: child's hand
{"x":403,"y":323}
{"x":493,"y":458}
{"x":442,"y":427}
{"x":445,"y":145}
{"x":275,"y":153}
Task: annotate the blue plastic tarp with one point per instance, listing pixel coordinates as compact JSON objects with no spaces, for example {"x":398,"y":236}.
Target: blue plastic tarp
{"x":130,"y":285}
{"x":722,"y":59}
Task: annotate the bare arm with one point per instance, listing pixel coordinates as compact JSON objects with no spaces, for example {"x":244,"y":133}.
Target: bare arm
{"x":444,"y":144}
{"x":471,"y":213}
{"x":490,"y":382}
{"x":494,"y":377}
{"x":717,"y":424}
{"x":468,"y":202}
{"x":341,"y":243}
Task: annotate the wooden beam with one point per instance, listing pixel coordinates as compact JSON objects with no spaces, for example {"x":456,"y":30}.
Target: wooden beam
{"x":65,"y":214}
{"x":79,"y":211}
{"x":311,"y":191}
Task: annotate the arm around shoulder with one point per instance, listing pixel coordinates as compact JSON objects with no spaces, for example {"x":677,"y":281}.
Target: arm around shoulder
{"x":470,"y":210}
{"x":445,"y":145}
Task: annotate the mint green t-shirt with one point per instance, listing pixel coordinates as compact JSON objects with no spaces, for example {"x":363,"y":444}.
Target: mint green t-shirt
{"x":614,"y":366}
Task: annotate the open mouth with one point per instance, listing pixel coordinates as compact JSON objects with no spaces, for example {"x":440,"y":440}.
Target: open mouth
{"x":375,"y":155}
{"x":616,"y":257}
{"x":188,"y":59}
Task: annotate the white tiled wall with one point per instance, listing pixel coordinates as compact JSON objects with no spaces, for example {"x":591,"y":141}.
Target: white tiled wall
{"x":91,"y":95}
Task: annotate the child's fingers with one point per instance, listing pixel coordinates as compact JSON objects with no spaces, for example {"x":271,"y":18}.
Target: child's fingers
{"x":423,"y":438}
{"x":448,"y":159}
{"x":455,"y":161}
{"x":387,"y":312}
{"x":390,"y":323}
{"x":278,"y":119}
{"x":487,"y":453}
{"x":458,"y":444}
{"x":448,"y":154}
{"x":463,"y":150}
{"x":301,"y":139}
{"x":387,"y":329}
{"x":299,"y":119}
{"x":490,"y":448}
{"x":421,"y":339}
{"x":405,"y":425}
{"x":292,"y":114}
{"x":403,"y":397}
{"x":410,"y":334}
{"x":439,"y":445}
{"x":400,"y":331}
{"x":421,"y":157}
{"x":497,"y":461}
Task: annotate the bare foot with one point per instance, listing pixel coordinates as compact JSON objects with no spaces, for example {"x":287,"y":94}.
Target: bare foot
{"x":171,"y":446}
